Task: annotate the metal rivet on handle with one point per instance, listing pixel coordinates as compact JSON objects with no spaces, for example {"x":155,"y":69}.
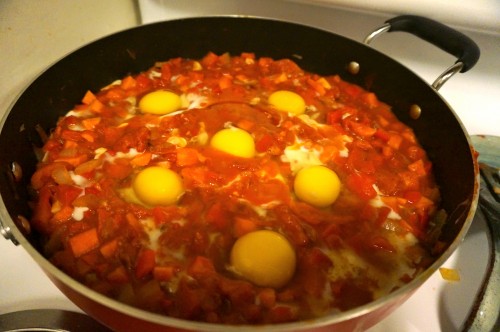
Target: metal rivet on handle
{"x":23,"y":224}
{"x":353,"y":67}
{"x":17,"y":171}
{"x":415,"y":111}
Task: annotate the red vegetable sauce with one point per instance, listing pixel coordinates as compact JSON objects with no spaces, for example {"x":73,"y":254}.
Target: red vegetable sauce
{"x":174,"y":259}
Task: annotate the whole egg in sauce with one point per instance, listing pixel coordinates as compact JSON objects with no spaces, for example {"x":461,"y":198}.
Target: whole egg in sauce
{"x":156,"y":185}
{"x":264,"y":257}
{"x":234,"y":141}
{"x":160,"y":102}
{"x":287,"y":101}
{"x":235,"y":190}
{"x":317,"y":185}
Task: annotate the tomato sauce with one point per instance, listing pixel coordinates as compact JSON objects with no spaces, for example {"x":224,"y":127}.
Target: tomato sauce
{"x":174,"y":259}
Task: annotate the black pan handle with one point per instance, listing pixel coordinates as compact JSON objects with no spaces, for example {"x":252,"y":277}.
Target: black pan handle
{"x":449,"y":40}
{"x":442,"y":36}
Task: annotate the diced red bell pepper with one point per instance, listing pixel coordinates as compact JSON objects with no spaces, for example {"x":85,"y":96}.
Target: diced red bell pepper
{"x":84,"y":242}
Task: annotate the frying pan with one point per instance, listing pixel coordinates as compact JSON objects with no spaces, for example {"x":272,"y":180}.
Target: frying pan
{"x":95,"y":65}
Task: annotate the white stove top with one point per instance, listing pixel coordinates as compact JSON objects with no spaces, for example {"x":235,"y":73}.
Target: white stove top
{"x":438,"y":305}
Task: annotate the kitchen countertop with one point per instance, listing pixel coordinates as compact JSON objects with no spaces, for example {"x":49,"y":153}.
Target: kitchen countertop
{"x":35,"y":34}
{"x":477,"y":15}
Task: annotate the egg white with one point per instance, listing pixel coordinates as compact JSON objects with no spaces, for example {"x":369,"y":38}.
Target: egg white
{"x":300,"y":156}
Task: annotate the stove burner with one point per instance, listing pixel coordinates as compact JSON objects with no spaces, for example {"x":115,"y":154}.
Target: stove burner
{"x":485,"y":313}
{"x":49,"y":320}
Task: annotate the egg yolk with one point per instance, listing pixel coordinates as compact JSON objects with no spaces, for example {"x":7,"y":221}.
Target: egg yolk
{"x":160,"y":102}
{"x":234,"y":141}
{"x":317,"y":185}
{"x":287,"y":101}
{"x":264,"y":257}
{"x":158,"y":186}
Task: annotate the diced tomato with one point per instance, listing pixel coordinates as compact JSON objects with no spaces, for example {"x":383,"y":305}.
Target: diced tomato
{"x":118,"y":275}
{"x":332,"y":236}
{"x":387,"y":151}
{"x":108,"y":249}
{"x":370,"y":99}
{"x":308,"y":213}
{"x":248,"y":55}
{"x":353,"y":90}
{"x":166,"y":214}
{"x":264,"y":143}
{"x":210,"y":59}
{"x":267,"y":191}
{"x":136,"y":138}
{"x":292,"y":227}
{"x":201,"y":266}
{"x":187,"y":157}
{"x":412,"y":196}
{"x":88,"y":98}
{"x":418,"y":167}
{"x":243,"y":226}
{"x":317,"y":86}
{"x":225,"y":82}
{"x":143,"y":82}
{"x":128,"y":83}
{"x":199,"y":176}
{"x":382,"y":134}
{"x":282,"y":314}
{"x":71,"y":135}
{"x":142,"y":159}
{"x":361,"y":185}
{"x":361,"y":129}
{"x":164,"y":273}
{"x":415,"y":152}
{"x":145,"y":263}
{"x":63,"y":214}
{"x":189,"y":304}
{"x":91,"y":123}
{"x":380,"y":243}
{"x":267,"y":297}
{"x":362,"y":161}
{"x":120,"y":169}
{"x":116,"y":93}
{"x":217,"y":216}
{"x":334,"y":116}
{"x":89,"y":136}
{"x":133,"y":222}
{"x":96,"y":106}
{"x":410,"y":180}
{"x":240,"y":292}
{"x":91,"y":258}
{"x":66,"y":194}
{"x":166,"y":72}
{"x":394,"y":141}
